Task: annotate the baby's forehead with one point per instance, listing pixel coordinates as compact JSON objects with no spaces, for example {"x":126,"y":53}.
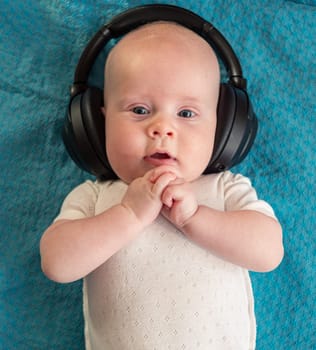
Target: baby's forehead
{"x":160,"y":42}
{"x":162,"y":35}
{"x":162,"y":30}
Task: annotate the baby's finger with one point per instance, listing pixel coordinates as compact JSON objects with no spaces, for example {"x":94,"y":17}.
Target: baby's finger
{"x":162,"y":182}
{"x":173,"y":193}
{"x":155,"y":173}
{"x":167,"y":200}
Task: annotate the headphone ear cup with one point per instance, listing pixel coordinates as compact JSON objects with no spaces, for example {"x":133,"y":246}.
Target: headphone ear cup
{"x":84,"y":132}
{"x":235,"y":131}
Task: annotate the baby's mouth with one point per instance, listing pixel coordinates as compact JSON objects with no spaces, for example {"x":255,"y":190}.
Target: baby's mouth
{"x":160,"y":158}
{"x":159,"y":155}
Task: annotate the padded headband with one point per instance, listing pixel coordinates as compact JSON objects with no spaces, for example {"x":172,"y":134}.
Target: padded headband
{"x":133,"y":18}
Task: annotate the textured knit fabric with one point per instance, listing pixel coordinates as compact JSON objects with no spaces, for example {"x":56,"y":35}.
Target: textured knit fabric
{"x":162,"y":291}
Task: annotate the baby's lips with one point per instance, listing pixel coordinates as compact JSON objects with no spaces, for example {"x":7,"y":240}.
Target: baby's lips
{"x":160,"y":155}
{"x":158,"y":159}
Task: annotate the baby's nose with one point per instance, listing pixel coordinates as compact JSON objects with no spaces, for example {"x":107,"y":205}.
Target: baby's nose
{"x":161,"y":128}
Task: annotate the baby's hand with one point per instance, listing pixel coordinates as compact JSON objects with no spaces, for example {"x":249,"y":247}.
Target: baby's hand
{"x":180,"y":203}
{"x":143,"y":196}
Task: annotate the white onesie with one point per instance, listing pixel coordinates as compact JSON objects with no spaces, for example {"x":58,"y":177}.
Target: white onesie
{"x":162,"y":291}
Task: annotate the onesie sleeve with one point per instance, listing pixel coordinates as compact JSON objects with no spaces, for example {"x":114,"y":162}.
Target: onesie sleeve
{"x":240,"y":195}
{"x":80,"y":202}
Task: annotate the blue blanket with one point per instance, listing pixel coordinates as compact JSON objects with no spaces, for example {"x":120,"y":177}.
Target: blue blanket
{"x":40,"y":44}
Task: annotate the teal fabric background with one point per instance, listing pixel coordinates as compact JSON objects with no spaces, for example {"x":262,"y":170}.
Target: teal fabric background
{"x":40,"y":44}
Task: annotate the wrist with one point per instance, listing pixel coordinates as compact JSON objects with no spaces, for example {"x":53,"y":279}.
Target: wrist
{"x":127,"y":214}
{"x":189,"y":224}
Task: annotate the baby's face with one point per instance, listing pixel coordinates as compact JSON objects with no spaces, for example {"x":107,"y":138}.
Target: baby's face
{"x":160,"y":103}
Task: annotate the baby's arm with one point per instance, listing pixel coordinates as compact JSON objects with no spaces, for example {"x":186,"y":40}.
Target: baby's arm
{"x":71,"y":249}
{"x":246,"y":238}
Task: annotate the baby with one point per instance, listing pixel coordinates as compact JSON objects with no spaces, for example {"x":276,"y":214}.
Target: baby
{"x":164,"y":251}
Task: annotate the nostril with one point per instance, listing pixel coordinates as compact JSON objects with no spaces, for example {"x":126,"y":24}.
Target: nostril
{"x":157,"y":133}
{"x":160,"y":131}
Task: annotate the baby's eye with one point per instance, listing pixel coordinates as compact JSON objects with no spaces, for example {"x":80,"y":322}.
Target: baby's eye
{"x":186,"y":113}
{"x":140,"y":110}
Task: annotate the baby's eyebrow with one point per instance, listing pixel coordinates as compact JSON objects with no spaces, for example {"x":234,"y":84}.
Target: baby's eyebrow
{"x":190,"y":99}
{"x":132,"y":99}
{"x":144,"y":99}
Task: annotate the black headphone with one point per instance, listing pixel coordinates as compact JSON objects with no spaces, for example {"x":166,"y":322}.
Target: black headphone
{"x":83,"y":132}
